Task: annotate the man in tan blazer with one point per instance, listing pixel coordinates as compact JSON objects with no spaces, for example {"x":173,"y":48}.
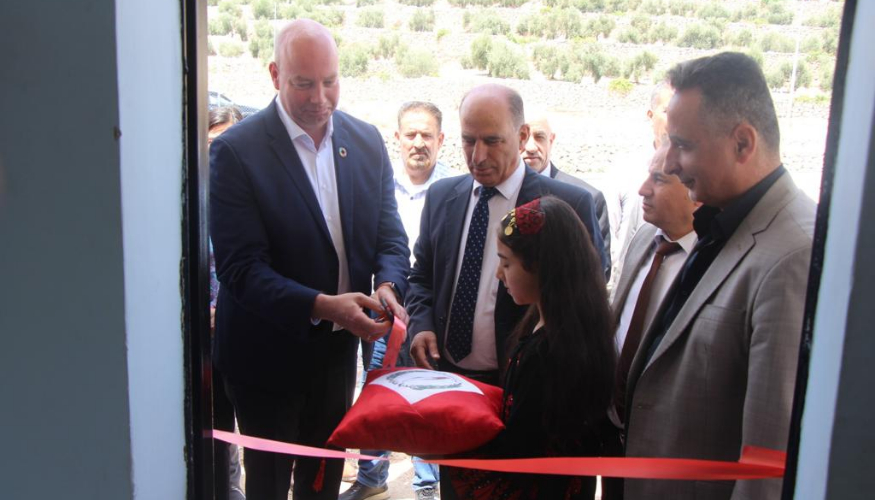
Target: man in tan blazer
{"x":716,"y":369}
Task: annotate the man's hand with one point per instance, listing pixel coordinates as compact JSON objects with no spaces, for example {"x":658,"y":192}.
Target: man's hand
{"x":346,"y":310}
{"x":424,"y":349}
{"x":386,"y":293}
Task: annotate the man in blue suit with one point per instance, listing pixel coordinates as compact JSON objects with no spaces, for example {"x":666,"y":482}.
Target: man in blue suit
{"x":304,"y":224}
{"x":461,"y":314}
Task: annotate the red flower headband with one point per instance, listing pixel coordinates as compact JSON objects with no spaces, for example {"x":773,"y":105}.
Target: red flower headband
{"x":528,"y":218}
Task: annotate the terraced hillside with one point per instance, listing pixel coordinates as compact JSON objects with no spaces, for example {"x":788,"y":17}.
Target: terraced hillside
{"x":589,"y":63}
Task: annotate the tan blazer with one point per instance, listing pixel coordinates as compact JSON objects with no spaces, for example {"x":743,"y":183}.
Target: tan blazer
{"x":724,"y":374}
{"x":637,"y":256}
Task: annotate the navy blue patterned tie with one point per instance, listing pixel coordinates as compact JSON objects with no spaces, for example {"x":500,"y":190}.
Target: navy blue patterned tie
{"x":465,"y":300}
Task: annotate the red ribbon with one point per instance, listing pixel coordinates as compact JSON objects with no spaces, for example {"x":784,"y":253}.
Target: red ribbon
{"x":393,"y":344}
{"x":755,"y":463}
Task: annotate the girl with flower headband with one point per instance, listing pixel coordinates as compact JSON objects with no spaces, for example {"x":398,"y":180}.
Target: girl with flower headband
{"x":557,"y":384}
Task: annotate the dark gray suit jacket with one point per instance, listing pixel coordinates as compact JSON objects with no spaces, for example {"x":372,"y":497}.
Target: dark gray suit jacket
{"x":601,"y":207}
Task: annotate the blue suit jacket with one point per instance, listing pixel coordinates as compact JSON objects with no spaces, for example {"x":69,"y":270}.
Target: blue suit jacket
{"x":273,"y":250}
{"x":437,"y":252}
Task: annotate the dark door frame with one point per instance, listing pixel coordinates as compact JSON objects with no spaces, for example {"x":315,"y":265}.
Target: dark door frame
{"x":195,"y":257}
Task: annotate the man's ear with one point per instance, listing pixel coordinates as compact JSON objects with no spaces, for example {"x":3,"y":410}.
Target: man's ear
{"x":524,"y":136}
{"x":398,"y":136}
{"x":274,"y":74}
{"x":746,"y":140}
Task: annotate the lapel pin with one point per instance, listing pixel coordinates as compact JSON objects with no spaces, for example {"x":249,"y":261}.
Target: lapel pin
{"x":342,"y":152}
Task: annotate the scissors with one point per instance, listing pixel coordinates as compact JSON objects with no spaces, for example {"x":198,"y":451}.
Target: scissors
{"x":385,"y":316}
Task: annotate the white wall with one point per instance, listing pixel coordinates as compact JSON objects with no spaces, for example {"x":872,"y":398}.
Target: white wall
{"x":149,"y":38}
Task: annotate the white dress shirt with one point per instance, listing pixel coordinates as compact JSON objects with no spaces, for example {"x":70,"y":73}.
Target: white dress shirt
{"x":668,"y":270}
{"x":483,"y":355}
{"x":318,"y":163}
{"x":411,"y":199}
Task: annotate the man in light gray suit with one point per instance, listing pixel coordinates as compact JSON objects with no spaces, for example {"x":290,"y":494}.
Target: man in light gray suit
{"x":716,"y":369}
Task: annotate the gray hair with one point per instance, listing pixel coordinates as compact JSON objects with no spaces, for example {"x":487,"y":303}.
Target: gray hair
{"x":514,"y":103}
{"x":428,"y":107}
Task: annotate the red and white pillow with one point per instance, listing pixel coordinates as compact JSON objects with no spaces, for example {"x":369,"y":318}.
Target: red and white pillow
{"x":421,"y":412}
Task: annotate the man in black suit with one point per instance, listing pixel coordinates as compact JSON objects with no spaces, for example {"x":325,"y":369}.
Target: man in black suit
{"x":443,"y":288}
{"x":536,"y":154}
{"x":304,"y":225}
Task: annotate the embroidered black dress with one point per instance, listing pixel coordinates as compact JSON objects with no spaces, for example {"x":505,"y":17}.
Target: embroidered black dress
{"x":528,"y":436}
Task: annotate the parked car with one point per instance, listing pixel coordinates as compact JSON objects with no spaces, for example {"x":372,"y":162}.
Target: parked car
{"x":217,"y":100}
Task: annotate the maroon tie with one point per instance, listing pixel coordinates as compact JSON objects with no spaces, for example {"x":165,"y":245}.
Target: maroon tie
{"x":636,"y":325}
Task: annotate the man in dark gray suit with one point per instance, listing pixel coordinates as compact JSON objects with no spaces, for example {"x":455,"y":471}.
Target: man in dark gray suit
{"x":461,"y":316}
{"x":493,"y":135}
{"x":537,"y":155}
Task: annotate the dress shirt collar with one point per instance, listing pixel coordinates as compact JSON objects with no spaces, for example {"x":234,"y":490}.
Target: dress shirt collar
{"x":548,"y":170}
{"x":296,"y":132}
{"x":511,"y":186}
{"x":720,"y":224}
{"x":687,"y":241}
{"x":402,"y":180}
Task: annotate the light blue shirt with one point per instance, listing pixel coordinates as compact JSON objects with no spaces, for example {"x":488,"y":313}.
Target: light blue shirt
{"x":411,"y":199}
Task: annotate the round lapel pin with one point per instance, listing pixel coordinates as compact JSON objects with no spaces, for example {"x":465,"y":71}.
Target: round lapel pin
{"x":342,"y":152}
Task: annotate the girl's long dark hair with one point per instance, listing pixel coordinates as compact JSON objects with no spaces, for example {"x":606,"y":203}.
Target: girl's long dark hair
{"x":578,"y":334}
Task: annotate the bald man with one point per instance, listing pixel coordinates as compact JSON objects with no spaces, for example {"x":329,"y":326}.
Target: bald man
{"x":461,"y":315}
{"x":304,"y":223}
{"x":536,"y":154}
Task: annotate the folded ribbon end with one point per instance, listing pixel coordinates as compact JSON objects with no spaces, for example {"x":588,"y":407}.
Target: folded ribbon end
{"x":755,"y":455}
